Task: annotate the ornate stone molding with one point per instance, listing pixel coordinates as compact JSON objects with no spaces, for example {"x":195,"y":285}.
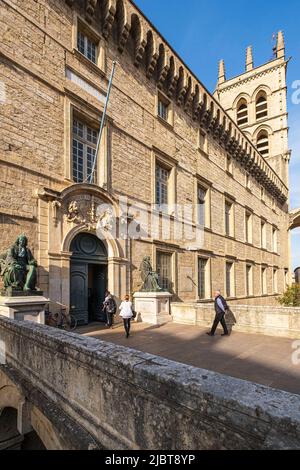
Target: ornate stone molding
{"x":223,"y":88}
{"x":85,"y":211}
{"x":109,"y":18}
{"x":90,"y":9}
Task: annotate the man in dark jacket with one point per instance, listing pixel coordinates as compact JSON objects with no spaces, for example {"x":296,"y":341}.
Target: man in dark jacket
{"x":220,"y":308}
{"x":110,"y":308}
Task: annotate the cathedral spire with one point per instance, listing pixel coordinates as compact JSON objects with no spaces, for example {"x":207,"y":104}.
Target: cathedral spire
{"x":280,"y":45}
{"x":222,"y":73}
{"x":249,"y":59}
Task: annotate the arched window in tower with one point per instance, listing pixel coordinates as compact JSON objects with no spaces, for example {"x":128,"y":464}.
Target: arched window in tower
{"x":263,"y":143}
{"x":242,"y":112}
{"x":261,"y":106}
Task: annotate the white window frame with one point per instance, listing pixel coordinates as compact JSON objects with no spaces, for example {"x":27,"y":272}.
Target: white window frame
{"x":159,"y":181}
{"x":90,"y":48}
{"x":168,"y":118}
{"x":86,"y":145}
{"x":80,"y":25}
{"x":166,"y":162}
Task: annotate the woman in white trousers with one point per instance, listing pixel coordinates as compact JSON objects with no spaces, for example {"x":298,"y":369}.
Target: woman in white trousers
{"x":126,"y":313}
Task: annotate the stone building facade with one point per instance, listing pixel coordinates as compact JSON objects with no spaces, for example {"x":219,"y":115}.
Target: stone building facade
{"x":167,"y":140}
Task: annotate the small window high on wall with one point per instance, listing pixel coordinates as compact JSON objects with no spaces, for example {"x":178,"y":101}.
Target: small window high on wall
{"x":261,"y":106}
{"x":87,"y":46}
{"x":263,"y":143}
{"x":242,"y":113}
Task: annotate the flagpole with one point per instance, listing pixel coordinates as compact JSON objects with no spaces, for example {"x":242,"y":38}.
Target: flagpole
{"x":90,"y":177}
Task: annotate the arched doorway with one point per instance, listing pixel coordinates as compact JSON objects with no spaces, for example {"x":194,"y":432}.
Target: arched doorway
{"x":11,"y":439}
{"x":88,"y":278}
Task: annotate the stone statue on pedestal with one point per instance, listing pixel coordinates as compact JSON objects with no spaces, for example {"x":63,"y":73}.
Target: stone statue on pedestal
{"x":18,"y":267}
{"x":149,"y":277}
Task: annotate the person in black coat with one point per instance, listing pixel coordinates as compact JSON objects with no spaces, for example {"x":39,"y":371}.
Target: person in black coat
{"x":220,"y":307}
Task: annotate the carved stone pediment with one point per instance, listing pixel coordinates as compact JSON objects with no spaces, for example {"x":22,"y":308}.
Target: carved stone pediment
{"x":90,"y":211}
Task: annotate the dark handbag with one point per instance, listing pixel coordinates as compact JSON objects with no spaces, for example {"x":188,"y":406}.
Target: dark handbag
{"x":134,"y":314}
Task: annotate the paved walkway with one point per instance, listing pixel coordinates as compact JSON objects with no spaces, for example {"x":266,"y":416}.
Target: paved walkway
{"x":262,"y":359}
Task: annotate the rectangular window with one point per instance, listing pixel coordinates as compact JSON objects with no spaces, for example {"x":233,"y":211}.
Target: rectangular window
{"x":163,"y":110}
{"x":249,"y":280}
{"x":263,"y":235}
{"x":229,"y":219}
{"x":163,"y":107}
{"x":275,"y":281}
{"x":273,"y":203}
{"x":164,"y":270}
{"x":162,"y":176}
{"x":248,"y":181}
{"x":87,"y":46}
{"x":203,"y":141}
{"x":229,"y":164}
{"x":202,"y":206}
{"x":274,"y":240}
{"x":84,"y":144}
{"x":229,"y":280}
{"x":262,"y":193}
{"x":248,"y":227}
{"x":286,"y":277}
{"x":264,"y":287}
{"x":202,"y":276}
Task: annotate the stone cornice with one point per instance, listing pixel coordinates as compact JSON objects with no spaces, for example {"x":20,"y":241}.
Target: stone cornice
{"x":224,"y":88}
{"x":161,"y":64}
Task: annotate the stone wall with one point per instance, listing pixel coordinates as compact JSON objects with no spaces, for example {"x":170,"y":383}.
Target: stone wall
{"x":37,"y":48}
{"x":126,"y":399}
{"x":267,"y":320}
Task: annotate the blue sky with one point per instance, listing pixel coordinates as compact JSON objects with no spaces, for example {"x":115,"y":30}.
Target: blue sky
{"x":205,"y":31}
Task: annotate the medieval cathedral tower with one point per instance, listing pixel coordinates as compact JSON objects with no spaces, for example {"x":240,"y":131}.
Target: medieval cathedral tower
{"x":257,"y":101}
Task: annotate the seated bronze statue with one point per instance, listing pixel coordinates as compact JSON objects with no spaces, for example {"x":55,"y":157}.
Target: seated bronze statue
{"x":18,"y":266}
{"x":149,"y":277}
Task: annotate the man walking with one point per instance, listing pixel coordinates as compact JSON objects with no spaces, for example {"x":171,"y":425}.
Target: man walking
{"x":220,"y":308}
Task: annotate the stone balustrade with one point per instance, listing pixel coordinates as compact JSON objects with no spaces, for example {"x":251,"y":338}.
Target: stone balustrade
{"x":117,"y":398}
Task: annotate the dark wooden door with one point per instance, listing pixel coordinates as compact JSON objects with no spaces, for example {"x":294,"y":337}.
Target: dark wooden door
{"x":99,"y":274}
{"x":79,"y":292}
{"x":88,"y":277}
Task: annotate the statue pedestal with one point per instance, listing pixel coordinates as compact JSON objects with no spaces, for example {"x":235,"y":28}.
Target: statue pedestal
{"x":153,"y":307}
{"x":27,"y":307}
